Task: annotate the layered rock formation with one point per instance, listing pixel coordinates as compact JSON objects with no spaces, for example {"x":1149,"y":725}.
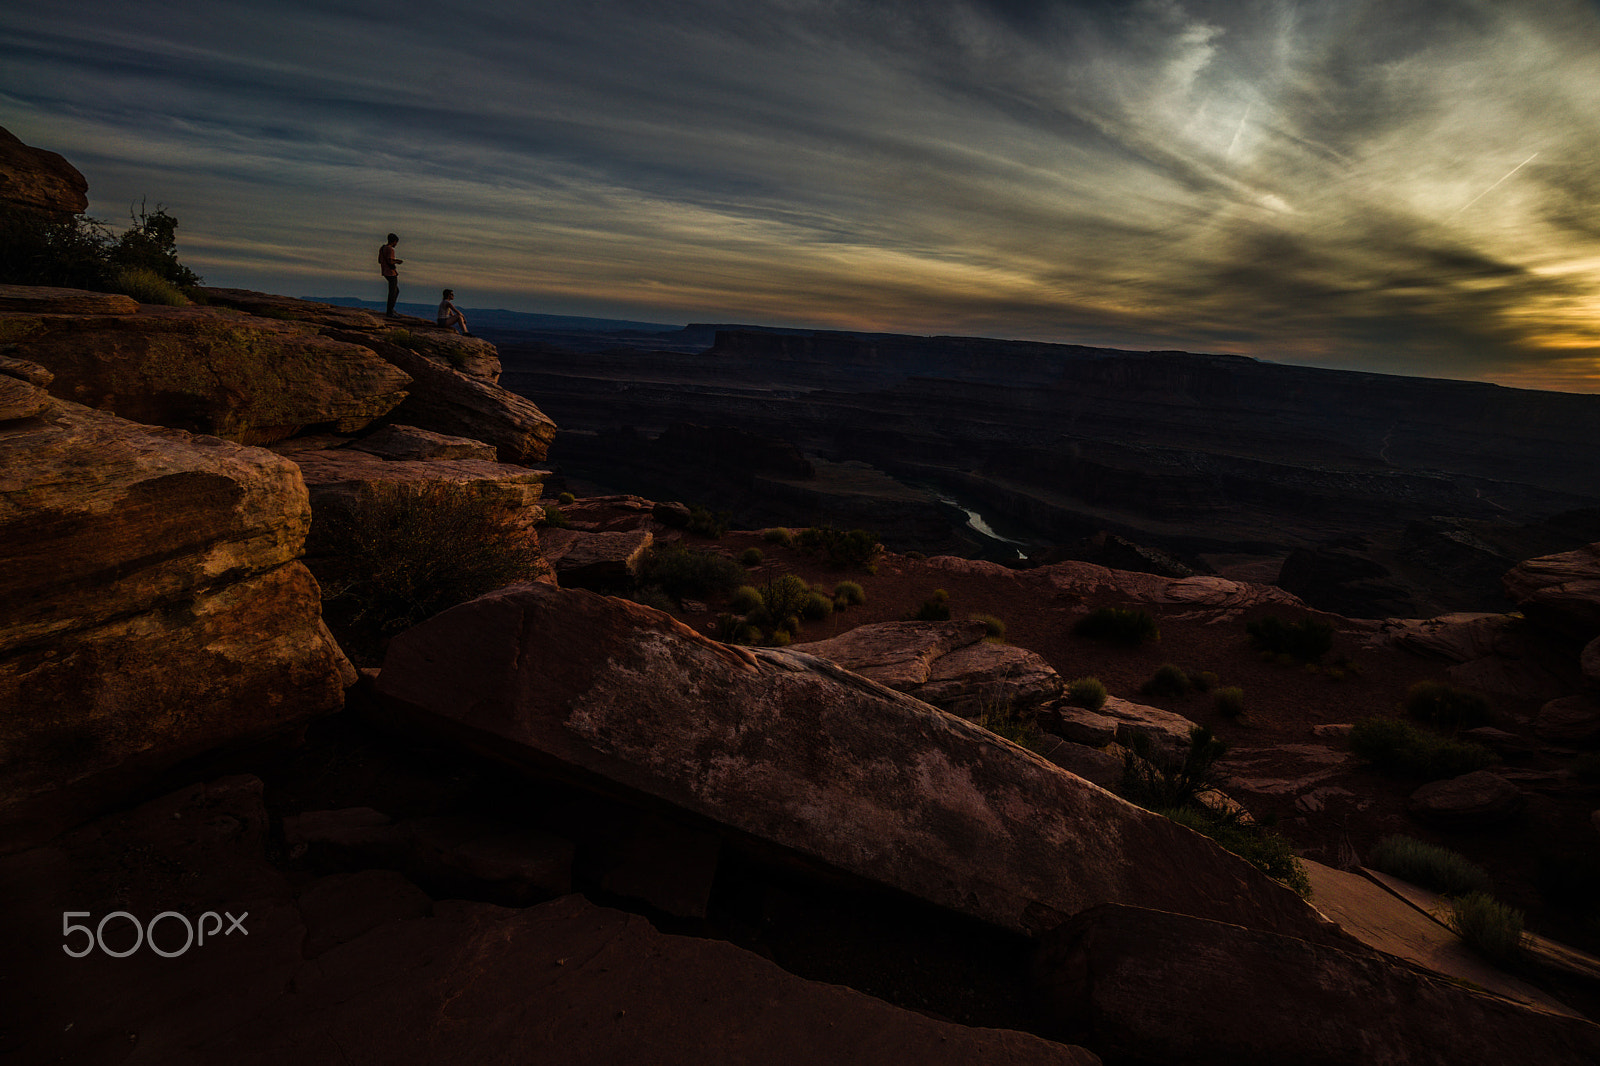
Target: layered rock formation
{"x":40,"y":180}
{"x":157,"y":607}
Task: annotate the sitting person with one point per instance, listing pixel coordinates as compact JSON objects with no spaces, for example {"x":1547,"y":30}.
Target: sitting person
{"x":449,"y":316}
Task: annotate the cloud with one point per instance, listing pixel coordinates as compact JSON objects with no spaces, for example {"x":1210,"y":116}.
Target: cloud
{"x":1319,"y":182}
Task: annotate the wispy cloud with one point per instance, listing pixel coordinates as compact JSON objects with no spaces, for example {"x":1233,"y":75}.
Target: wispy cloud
{"x":1404,"y":186}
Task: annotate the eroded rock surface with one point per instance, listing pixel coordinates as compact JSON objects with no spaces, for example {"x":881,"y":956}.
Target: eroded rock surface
{"x":40,"y":180}
{"x":947,"y":664}
{"x":209,"y":370}
{"x":1561,"y":591}
{"x":791,"y":749}
{"x":155,"y":608}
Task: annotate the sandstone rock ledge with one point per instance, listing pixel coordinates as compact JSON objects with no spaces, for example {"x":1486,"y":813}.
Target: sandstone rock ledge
{"x":156,"y":609}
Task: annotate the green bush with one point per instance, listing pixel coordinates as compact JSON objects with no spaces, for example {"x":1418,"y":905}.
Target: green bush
{"x":1440,"y":869}
{"x":1307,"y":640}
{"x":566,"y":498}
{"x":1262,"y":848}
{"x":655,"y":596}
{"x":1003,"y":722}
{"x":1156,"y":780}
{"x":1446,"y":706}
{"x":731,"y":629}
{"x":779,"y":638}
{"x":785,"y":596}
{"x":751,"y":557}
{"x":745,"y":599}
{"x":553,"y":517}
{"x":778,"y":536}
{"x":1397,"y":746}
{"x":1229,"y":701}
{"x":1489,"y":927}
{"x":1118,"y":625}
{"x":712,"y":524}
{"x":1204,"y":681}
{"x":1168,"y":681}
{"x":401,"y":554}
{"x":935,"y":608}
{"x":849,"y":593}
{"x":81,"y":253}
{"x":683,"y":572}
{"x":1087,"y":692}
{"x":148,"y":287}
{"x":993,"y":628}
{"x":856,"y":547}
{"x":817,"y":607}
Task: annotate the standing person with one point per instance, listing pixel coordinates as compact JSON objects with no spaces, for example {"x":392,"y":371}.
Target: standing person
{"x":449,"y":316}
{"x":386,"y":265}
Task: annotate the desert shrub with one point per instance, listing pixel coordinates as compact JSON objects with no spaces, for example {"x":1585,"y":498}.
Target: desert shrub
{"x":1156,"y":779}
{"x":706,"y":523}
{"x":554,"y":518}
{"x":1397,"y":746}
{"x":1000,"y":720}
{"x":778,"y":536}
{"x":400,"y":555}
{"x":148,"y":287}
{"x":751,"y":557}
{"x":745,"y":599}
{"x":566,"y":498}
{"x":849,"y":593}
{"x":1440,"y":869}
{"x":993,"y":628}
{"x":1204,"y":681}
{"x":1087,"y":692}
{"x":1445,"y":705}
{"x":683,"y":572}
{"x":785,"y":596}
{"x":1489,"y":927}
{"x":82,"y":253}
{"x":1307,"y":640}
{"x":817,"y":607}
{"x":1118,"y":625}
{"x":1229,"y":701}
{"x":936,"y":608}
{"x":731,"y":629}
{"x":1267,"y":851}
{"x":779,"y":638}
{"x":655,"y":596}
{"x":842,"y":549}
{"x":1169,"y":680}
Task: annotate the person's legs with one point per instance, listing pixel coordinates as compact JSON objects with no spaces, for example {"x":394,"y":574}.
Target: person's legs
{"x":394,"y":293}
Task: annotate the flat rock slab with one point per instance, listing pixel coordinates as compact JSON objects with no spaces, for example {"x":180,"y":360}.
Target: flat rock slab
{"x":410,"y":442}
{"x":1404,"y":926}
{"x":43,"y":300}
{"x":1569,"y":720}
{"x":947,"y":664}
{"x":1561,"y":591}
{"x":795,"y":751}
{"x":599,"y":561}
{"x":1122,"y":719}
{"x":1152,"y":987}
{"x":341,"y":476}
{"x":1478,"y":798}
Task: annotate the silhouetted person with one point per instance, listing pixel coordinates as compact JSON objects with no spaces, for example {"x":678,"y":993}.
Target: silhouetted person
{"x":449,"y":316}
{"x":387,"y":264}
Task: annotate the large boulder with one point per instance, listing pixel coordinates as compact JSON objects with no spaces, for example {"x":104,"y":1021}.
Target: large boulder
{"x":1560,"y":591}
{"x":207,"y":370}
{"x":155,"y":609}
{"x":599,"y":561}
{"x":1490,"y":652}
{"x":451,"y":401}
{"x":1478,"y":798}
{"x":409,"y":442}
{"x":787,"y":748}
{"x":364,"y":967}
{"x":40,"y":181}
{"x":1144,"y":986}
{"x":1569,"y":720}
{"x":1121,"y":721}
{"x":947,"y":664}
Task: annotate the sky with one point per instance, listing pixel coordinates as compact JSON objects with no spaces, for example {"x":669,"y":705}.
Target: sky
{"x":1404,"y":186}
